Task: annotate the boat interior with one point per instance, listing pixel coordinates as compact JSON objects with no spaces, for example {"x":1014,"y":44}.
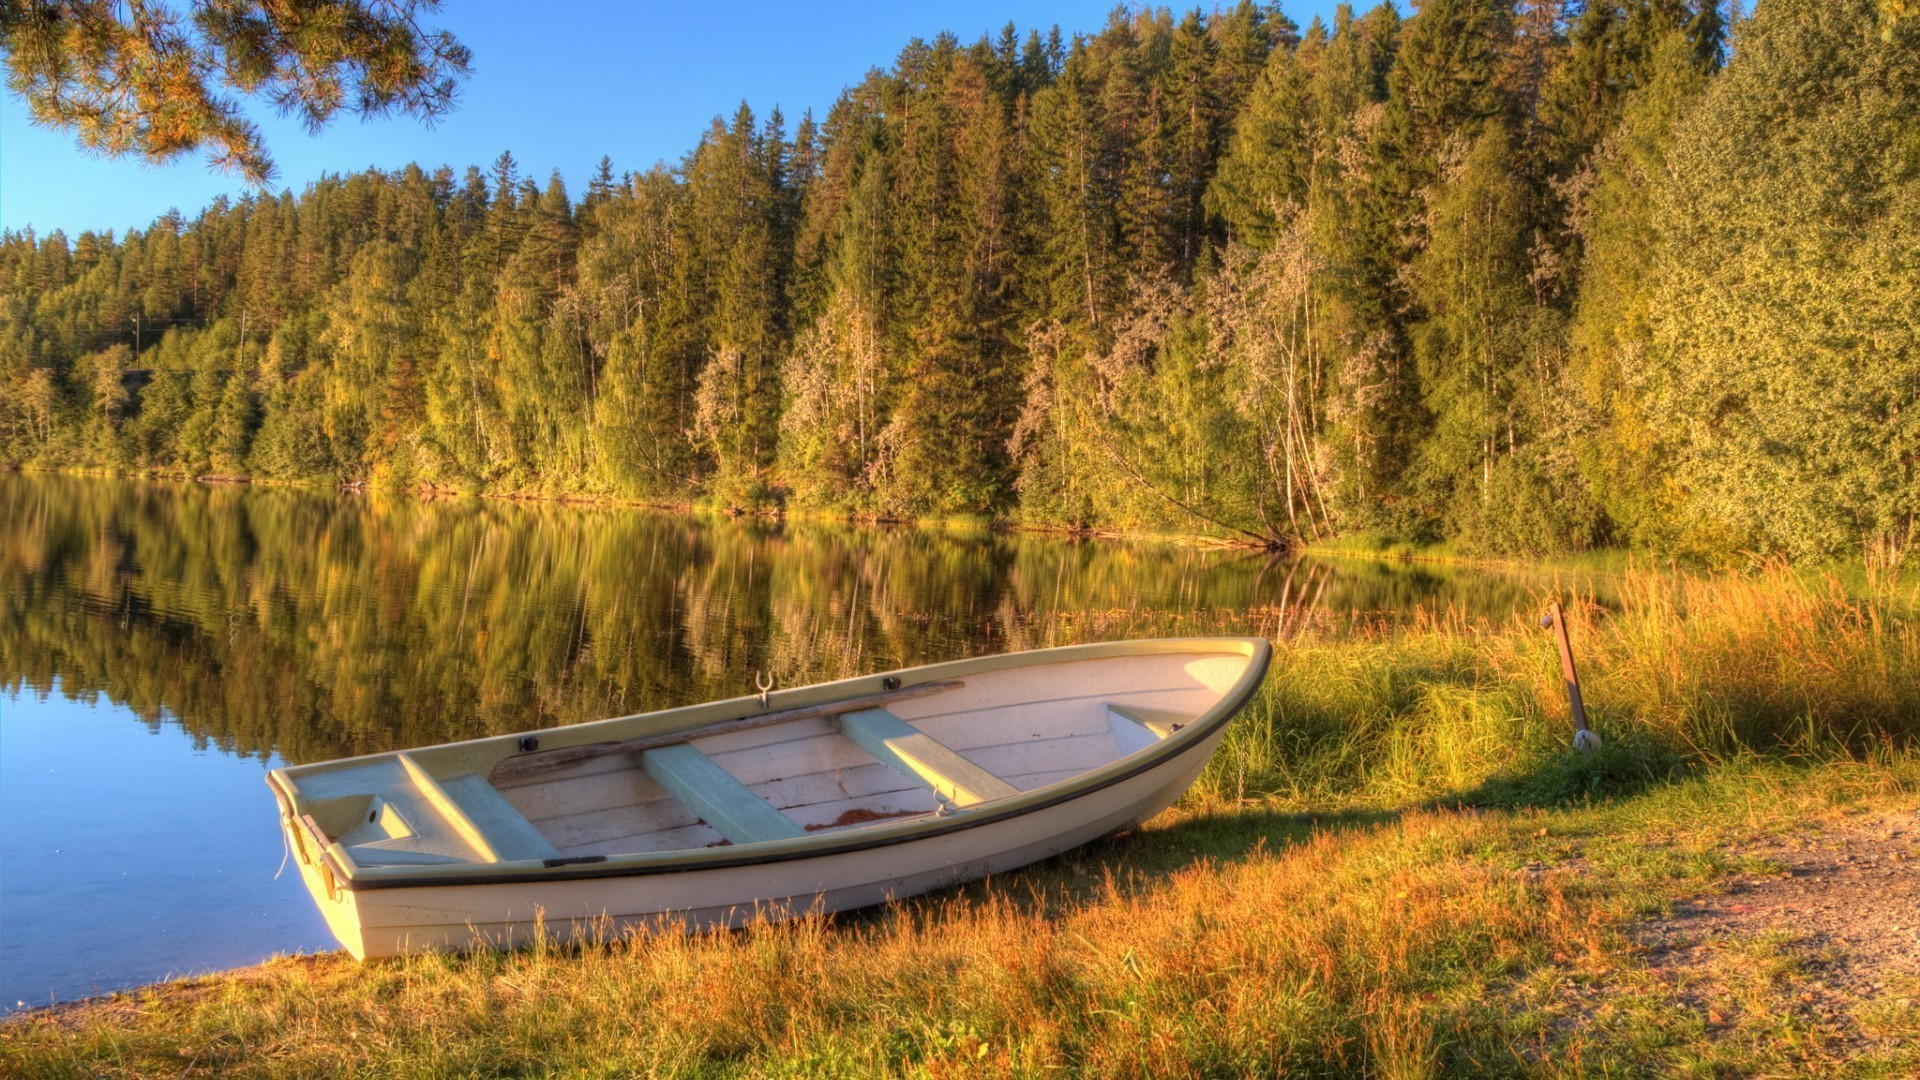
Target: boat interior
{"x":987,"y":736}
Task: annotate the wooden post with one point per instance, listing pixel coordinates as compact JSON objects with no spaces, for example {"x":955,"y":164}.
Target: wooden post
{"x":1584,"y":740}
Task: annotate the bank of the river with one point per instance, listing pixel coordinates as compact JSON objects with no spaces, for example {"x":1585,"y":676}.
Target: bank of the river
{"x":426,"y":491}
{"x":1598,"y":564}
{"x":1395,"y":866}
{"x":777,"y":511}
{"x":1363,"y":546}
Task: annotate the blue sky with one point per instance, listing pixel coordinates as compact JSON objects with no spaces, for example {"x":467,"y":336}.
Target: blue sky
{"x":559,"y":85}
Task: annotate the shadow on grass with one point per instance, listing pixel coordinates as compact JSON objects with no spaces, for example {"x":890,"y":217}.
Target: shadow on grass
{"x":1139,"y":859}
{"x":1619,"y":769}
{"x":1136,"y":861}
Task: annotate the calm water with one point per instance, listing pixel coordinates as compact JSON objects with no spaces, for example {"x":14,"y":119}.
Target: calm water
{"x":163,"y":645}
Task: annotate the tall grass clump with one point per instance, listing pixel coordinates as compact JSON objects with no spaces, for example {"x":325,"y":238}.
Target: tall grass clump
{"x":1769,"y":663}
{"x":1678,"y":671}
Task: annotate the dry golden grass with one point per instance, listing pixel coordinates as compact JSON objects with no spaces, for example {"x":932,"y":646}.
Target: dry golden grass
{"x":1417,"y":944}
{"x":1331,"y":950}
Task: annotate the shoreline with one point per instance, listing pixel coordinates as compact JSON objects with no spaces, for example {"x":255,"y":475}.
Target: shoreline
{"x":998,"y":523}
{"x":1367,"y":548}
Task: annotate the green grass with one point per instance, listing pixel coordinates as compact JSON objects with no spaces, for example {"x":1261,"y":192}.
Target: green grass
{"x":1855,"y":575}
{"x":1394,"y":867}
{"x":1384,"y":546}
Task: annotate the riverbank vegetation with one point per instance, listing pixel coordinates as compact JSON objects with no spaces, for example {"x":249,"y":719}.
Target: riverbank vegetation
{"x":1523,"y":277}
{"x":1395,"y":866}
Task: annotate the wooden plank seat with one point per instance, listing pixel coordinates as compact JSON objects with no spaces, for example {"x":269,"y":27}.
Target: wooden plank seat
{"x":723,"y":802}
{"x":480,"y":815}
{"x":1136,"y":729}
{"x":920,"y":756}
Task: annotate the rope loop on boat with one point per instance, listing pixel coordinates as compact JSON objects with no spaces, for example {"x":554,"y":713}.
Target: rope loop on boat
{"x":286,"y":847}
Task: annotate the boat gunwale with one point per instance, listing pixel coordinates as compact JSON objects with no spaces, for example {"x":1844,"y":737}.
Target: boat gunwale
{"x":350,"y":876}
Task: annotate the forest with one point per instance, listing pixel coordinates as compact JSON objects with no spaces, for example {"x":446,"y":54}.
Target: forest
{"x":1522,"y":276}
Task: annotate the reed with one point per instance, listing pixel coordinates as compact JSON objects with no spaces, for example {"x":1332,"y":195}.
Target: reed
{"x":1395,"y":867}
{"x":1679,"y":672}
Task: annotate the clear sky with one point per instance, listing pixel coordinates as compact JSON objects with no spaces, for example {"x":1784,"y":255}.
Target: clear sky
{"x":558,"y":84}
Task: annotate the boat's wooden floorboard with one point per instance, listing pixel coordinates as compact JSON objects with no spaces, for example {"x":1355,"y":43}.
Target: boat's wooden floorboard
{"x":796,"y":757}
{"x":613,"y":822}
{"x":662,"y":811}
{"x":610,"y":763}
{"x":1028,"y":727}
{"x":822,"y":817}
{"x":600,"y":790}
{"x":863,"y":781}
{"x":777,"y":734}
{"x":817,"y":799}
{"x":807,"y":800}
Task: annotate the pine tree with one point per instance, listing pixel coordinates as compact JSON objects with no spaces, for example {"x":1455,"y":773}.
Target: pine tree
{"x":1624,"y":458}
{"x":1445,"y":82}
{"x":234,"y":422}
{"x":1265,"y":173}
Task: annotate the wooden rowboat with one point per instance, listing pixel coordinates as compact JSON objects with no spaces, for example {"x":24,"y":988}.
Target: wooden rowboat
{"x":824,"y":797}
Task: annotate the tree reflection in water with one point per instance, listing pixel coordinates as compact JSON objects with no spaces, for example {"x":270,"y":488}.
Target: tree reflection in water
{"x":322,"y":623}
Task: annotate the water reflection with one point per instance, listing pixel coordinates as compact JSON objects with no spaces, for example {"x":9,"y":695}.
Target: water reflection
{"x":128,"y":856}
{"x":316,"y":624}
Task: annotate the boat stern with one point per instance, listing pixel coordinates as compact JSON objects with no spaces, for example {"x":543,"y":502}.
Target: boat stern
{"x":308,"y":845}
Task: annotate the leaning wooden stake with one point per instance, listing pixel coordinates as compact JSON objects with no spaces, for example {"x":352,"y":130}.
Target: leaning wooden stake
{"x":1584,"y":740}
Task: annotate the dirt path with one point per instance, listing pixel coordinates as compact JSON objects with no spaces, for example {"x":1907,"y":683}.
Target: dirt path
{"x":1825,"y":938}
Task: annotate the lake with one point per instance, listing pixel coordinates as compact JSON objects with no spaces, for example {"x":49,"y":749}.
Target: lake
{"x":162,"y":645}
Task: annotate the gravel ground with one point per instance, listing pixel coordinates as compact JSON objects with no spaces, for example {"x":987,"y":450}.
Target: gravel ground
{"x":1839,"y":903}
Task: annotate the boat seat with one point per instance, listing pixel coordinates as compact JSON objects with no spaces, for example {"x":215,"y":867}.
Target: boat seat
{"x":481,"y":816}
{"x":1136,"y":728}
{"x":920,"y":756}
{"x":508,"y":832}
{"x":721,"y":800}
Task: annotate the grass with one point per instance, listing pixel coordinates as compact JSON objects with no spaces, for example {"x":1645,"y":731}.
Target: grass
{"x":1395,"y":867}
{"x":1857,"y":575}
